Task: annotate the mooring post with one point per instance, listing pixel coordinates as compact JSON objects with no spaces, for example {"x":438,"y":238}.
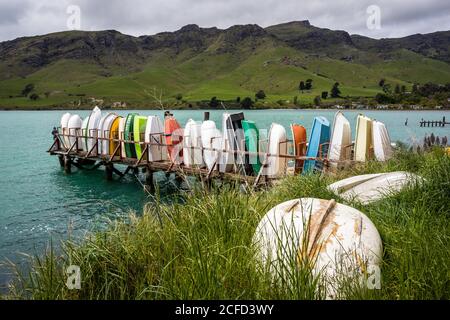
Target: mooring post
{"x":67,"y":164}
{"x":61,"y":161}
{"x":178,"y":178}
{"x":149,"y":185}
{"x":109,"y":168}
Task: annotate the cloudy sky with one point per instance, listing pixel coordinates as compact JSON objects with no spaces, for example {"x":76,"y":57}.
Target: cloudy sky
{"x":138,"y":17}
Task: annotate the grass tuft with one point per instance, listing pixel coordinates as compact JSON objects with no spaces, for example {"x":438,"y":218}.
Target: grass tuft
{"x":201,"y":247}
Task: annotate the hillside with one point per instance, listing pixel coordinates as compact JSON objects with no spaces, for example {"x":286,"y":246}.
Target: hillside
{"x":67,"y":68}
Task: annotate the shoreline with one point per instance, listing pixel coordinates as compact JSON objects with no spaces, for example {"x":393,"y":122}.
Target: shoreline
{"x":201,"y":109}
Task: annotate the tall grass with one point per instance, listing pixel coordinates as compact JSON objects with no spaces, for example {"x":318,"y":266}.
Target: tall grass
{"x":202,"y":248}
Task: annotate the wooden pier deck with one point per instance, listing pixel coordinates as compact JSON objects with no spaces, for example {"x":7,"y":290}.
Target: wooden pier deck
{"x":90,"y":160}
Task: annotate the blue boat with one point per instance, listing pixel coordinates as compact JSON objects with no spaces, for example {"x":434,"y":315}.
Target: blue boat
{"x":320,"y":136}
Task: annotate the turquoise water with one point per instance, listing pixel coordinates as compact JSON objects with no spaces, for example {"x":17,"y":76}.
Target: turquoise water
{"x":38,"y":201}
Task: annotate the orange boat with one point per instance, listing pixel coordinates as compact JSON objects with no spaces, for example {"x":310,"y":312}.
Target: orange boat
{"x":299,"y":136}
{"x":174,"y":137}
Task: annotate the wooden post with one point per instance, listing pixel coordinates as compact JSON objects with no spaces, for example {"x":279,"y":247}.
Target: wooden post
{"x":67,"y":164}
{"x":149,"y":185}
{"x":206,"y":116}
{"x":61,"y":161}
{"x":109,"y":168}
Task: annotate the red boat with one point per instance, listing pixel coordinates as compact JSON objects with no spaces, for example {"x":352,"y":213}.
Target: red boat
{"x":174,"y":137}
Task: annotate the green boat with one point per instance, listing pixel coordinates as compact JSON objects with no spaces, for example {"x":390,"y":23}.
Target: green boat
{"x":251,"y":135}
{"x":130,"y":150}
{"x":139,"y":126}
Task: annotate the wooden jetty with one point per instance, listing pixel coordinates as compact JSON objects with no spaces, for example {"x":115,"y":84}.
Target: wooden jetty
{"x":90,"y":160}
{"x":438,"y":123}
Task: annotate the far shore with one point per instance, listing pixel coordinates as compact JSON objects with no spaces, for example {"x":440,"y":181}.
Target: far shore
{"x":210,"y":109}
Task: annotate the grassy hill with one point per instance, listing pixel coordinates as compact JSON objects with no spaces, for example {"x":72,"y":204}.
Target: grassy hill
{"x":68,"y":68}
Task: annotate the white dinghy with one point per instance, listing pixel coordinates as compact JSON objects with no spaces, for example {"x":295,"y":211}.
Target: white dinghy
{"x":74,"y":126}
{"x":192,"y":154}
{"x":277,"y":166}
{"x":373,"y":187}
{"x":64,"y":130}
{"x":382,"y":146}
{"x":212,"y":139}
{"x":341,"y":139}
{"x":93,"y":128}
{"x":154,"y":132}
{"x":339,"y":243}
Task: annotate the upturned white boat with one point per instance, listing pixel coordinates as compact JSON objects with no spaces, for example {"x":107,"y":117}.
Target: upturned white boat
{"x":228,"y":137}
{"x":93,"y":128}
{"x":74,"y":126}
{"x":382,"y":146}
{"x":154,"y":133}
{"x":212,"y":139}
{"x":373,"y":187}
{"x":64,"y":123}
{"x":104,"y":132}
{"x":192,"y":155}
{"x":341,"y":139}
{"x":363,"y":139}
{"x":276,"y":166}
{"x":338,"y":242}
{"x":84,"y":126}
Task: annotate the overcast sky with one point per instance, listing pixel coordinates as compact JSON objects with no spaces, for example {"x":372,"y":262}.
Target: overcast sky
{"x":144,"y":17}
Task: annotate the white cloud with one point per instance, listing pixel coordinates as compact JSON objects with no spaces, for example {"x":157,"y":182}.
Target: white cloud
{"x":144,"y":17}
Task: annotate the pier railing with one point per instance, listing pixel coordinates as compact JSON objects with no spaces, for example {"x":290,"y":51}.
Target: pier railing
{"x":75,"y":154}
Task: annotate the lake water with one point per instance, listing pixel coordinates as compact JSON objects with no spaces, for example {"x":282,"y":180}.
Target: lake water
{"x":38,"y":201}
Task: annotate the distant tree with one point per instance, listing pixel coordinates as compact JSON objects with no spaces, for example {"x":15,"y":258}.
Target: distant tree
{"x":335,"y":92}
{"x":324,"y":95}
{"x":47,"y":94}
{"x":28,"y":88}
{"x":384,"y":98}
{"x":387,"y":88}
{"x":34,"y":96}
{"x":301,"y":86}
{"x":295,"y":100}
{"x":247,"y":103}
{"x":179,"y":96}
{"x":238,"y":99}
{"x":415,"y":88}
{"x":403,"y":89}
{"x":317,"y":100}
{"x":397,"y":89}
{"x":214,"y":103}
{"x":381,"y":83}
{"x":308,"y":84}
{"x":260,"y":95}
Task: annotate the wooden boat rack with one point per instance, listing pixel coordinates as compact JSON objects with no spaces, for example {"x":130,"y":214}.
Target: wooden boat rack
{"x":73,"y":156}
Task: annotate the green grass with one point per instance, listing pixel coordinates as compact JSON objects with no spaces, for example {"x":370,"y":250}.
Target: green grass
{"x":201,"y":247}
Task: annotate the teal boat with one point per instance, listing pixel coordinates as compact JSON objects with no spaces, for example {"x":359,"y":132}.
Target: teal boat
{"x":320,"y":136}
{"x":128,"y":135}
{"x":251,"y":135}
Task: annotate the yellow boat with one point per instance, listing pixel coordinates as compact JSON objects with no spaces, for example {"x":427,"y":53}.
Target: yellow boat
{"x":114,"y":134}
{"x":364,"y":139}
